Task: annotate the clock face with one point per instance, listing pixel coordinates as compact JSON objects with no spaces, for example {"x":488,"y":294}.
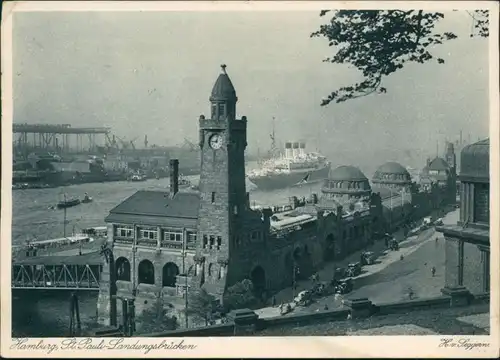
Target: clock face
{"x":215,"y":141}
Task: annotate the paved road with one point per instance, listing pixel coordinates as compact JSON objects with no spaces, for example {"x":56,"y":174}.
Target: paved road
{"x":390,"y":278}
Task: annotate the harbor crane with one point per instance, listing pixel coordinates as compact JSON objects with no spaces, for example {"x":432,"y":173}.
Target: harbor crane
{"x":189,"y":145}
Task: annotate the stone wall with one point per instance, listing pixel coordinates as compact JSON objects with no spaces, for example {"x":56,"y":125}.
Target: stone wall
{"x":473,"y":268}
{"x":358,"y":309}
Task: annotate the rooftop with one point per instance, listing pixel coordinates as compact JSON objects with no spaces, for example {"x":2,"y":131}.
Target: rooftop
{"x":159,"y":203}
{"x":475,"y":161}
{"x":347,"y":173}
{"x":438,"y":164}
{"x":391,"y":167}
{"x":223,"y":89}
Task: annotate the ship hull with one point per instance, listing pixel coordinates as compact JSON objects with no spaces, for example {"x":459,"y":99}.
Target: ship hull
{"x":280,"y":181}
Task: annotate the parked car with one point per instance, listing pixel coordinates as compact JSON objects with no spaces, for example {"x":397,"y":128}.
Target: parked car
{"x":394,"y":245}
{"x":438,"y":222}
{"x":344,"y":286}
{"x":367,"y":258}
{"x":303,"y":298}
{"x":353,"y":269}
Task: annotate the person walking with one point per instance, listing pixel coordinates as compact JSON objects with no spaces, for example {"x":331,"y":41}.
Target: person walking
{"x":433,"y":271}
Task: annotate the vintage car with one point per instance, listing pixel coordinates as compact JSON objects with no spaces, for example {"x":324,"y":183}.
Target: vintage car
{"x":394,"y":245}
{"x":344,"y":286}
{"x":303,"y":298}
{"x":353,"y":269}
{"x":367,"y":258}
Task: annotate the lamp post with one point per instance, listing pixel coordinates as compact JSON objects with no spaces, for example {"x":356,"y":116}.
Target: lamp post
{"x":184,"y":254}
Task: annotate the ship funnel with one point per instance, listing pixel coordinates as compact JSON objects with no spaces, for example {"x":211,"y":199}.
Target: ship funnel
{"x":295,"y":149}
{"x":302,"y":148}
{"x":174,"y":177}
{"x":288,"y":150}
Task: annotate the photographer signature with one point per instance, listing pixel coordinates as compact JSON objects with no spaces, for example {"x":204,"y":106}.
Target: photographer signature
{"x":466,"y":343}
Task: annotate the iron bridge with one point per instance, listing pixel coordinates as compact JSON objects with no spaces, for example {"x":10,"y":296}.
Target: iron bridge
{"x":57,"y":277}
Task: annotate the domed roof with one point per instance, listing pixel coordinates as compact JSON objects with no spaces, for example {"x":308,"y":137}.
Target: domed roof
{"x":392,"y":167}
{"x":391,"y":173}
{"x":475,"y":161}
{"x":223,"y":89}
{"x":438,"y":164}
{"x":346,"y":172}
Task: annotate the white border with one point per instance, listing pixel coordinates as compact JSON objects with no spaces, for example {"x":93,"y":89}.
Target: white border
{"x":244,"y":347}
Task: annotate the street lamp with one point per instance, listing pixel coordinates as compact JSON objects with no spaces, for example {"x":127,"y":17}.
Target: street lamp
{"x":184,"y":254}
{"x":296,"y":271}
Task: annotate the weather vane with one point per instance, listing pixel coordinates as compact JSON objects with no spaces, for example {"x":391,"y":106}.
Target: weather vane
{"x":223,"y":66}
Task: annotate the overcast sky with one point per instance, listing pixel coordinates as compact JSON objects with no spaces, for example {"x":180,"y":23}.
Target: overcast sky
{"x":152,"y":73}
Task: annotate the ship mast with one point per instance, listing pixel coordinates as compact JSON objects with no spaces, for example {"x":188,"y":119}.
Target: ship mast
{"x":273,"y":140}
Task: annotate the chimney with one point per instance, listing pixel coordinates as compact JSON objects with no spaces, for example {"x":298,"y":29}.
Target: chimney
{"x":174,"y":177}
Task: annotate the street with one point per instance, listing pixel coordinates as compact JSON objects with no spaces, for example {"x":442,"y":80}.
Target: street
{"x":389,"y":279}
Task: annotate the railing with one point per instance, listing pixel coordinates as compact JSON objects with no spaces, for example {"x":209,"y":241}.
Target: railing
{"x":171,"y":244}
{"x":123,"y":240}
{"x":75,"y":277}
{"x":147,"y":242}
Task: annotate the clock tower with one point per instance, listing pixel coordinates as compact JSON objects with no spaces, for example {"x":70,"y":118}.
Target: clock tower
{"x":223,"y":197}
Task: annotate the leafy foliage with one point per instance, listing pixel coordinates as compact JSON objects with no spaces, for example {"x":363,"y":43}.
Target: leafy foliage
{"x":240,"y":295}
{"x":200,"y":305}
{"x":380,"y":42}
{"x":156,"y":319}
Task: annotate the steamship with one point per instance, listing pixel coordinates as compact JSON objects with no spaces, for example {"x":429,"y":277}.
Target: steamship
{"x":294,"y":167}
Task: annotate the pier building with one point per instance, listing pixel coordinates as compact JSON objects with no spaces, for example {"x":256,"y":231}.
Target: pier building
{"x":468,"y":242}
{"x":166,"y":244}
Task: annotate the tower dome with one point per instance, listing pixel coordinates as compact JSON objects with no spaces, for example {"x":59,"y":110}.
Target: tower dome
{"x":391,"y":173}
{"x":475,"y":162}
{"x":223,"y":89}
{"x":346,"y":182}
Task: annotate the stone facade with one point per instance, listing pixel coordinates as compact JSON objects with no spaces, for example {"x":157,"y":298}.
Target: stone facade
{"x":468,"y":242}
{"x":163,"y":243}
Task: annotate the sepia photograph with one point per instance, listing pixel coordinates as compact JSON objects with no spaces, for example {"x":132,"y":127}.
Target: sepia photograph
{"x":259,"y":171}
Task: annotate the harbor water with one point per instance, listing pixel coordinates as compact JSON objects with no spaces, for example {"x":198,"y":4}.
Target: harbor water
{"x":33,"y":219}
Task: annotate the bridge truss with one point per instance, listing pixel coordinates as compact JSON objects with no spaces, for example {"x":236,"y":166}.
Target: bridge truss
{"x":69,"y":277}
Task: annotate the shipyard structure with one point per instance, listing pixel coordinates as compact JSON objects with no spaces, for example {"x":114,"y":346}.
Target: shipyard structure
{"x":167,"y":244}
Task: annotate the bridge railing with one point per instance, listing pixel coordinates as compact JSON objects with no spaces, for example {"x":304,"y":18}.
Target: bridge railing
{"x":78,"y":277}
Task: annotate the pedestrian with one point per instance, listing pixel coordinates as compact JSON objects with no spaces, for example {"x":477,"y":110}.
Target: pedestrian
{"x":326,"y":307}
{"x":410,"y":293}
{"x":401,"y":257}
{"x":436,"y":240}
{"x":433,"y":271}
{"x":274,"y":301}
{"x":349,"y":316}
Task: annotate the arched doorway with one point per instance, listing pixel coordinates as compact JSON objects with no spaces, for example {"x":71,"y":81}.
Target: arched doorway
{"x":297,"y":254}
{"x":258,"y":277}
{"x":122,"y":266}
{"x":330,"y":248}
{"x":170,"y":272}
{"x":146,"y":272}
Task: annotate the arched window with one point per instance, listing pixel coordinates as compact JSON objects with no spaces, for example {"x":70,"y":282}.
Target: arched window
{"x":122,"y":266}
{"x":210,"y":269}
{"x":222,"y":110}
{"x":170,"y":272}
{"x":146,"y":272}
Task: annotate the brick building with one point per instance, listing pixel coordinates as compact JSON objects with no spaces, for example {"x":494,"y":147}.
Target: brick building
{"x":166,"y":242}
{"x":163,"y":242}
{"x":468,"y":242}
